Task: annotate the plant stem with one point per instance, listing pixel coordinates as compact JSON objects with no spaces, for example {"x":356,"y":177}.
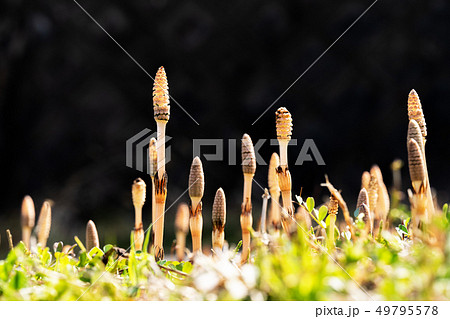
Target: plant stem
{"x":160,"y":147}
{"x":181,"y":244}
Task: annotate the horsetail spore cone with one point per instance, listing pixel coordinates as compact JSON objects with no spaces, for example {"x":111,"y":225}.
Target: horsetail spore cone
{"x":219,"y":214}
{"x":415,"y":112}
{"x":91,"y":236}
{"x":365,"y":179}
{"x":161,"y":109}
{"x":274,"y":190}
{"x":196,"y":190}
{"x":284,"y":133}
{"x":138,"y":192}
{"x":181,"y":229}
{"x":27,"y":219}
{"x":248,"y":168}
{"x":44,"y":224}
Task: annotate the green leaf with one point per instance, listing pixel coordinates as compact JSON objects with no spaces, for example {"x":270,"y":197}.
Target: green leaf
{"x":58,"y":246}
{"x":187,"y":267}
{"x":445,"y":209}
{"x":406,"y":222}
{"x":310,"y":204}
{"x":327,"y":221}
{"x":82,"y":260}
{"x":95,"y":251}
{"x":323,"y":210}
{"x":147,"y":239}
{"x":80,"y":244}
{"x":106,"y":248}
{"x":18,"y":281}
{"x":403,"y":228}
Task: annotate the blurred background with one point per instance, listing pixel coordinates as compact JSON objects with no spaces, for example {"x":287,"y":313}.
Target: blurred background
{"x":70,"y":98}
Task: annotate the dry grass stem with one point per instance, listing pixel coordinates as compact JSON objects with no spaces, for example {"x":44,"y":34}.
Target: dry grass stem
{"x":342,"y":204}
{"x":10,"y":239}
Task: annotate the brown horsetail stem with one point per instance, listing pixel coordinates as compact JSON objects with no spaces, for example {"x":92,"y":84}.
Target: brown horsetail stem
{"x":333,"y":207}
{"x":415,"y":112}
{"x":415,"y":133}
{"x":362,"y":204}
{"x":181,"y":229}
{"x":383,"y":203}
{"x":44,"y":223}
{"x":161,"y":109}
{"x":419,"y":200}
{"x":91,"y":236}
{"x":274,"y":190}
{"x":416,"y":167}
{"x":368,"y":219}
{"x":302,"y":217}
{"x":265,"y":198}
{"x":196,"y":190}
{"x":27,"y":219}
{"x":248,"y":168}
{"x":342,"y":204}
{"x":373,"y":192}
{"x":158,"y":223}
{"x":153,"y":160}
{"x":219,"y":215}
{"x":283,"y":121}
{"x":138,"y":192}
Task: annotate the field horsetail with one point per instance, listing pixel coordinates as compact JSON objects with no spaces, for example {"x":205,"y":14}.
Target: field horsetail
{"x":284,"y":132}
{"x":196,"y":190}
{"x":161,"y":108}
{"x":249,"y":169}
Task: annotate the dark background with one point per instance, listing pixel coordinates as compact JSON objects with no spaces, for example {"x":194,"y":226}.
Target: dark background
{"x":70,"y":98}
